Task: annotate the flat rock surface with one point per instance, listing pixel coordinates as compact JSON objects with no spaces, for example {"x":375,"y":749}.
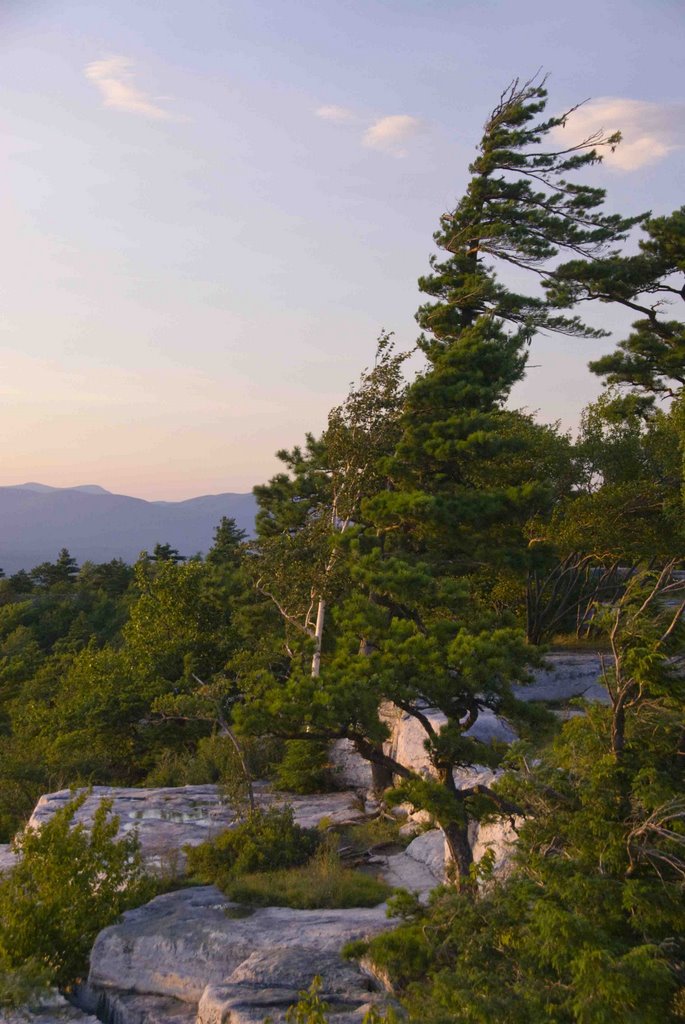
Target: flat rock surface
{"x":196,"y":947}
{"x":54,"y":1010}
{"x":180,"y":942}
{"x":167,"y":819}
{"x":567,"y":674}
{"x":268,"y":983}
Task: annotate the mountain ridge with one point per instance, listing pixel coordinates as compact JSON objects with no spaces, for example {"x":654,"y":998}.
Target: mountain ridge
{"x":37,"y":520}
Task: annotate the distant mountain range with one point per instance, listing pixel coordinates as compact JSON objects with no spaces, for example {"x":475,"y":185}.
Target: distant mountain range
{"x":36,"y":521}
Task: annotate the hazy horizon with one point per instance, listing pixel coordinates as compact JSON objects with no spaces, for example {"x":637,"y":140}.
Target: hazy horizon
{"x":213,"y":210}
{"x":85,"y":485}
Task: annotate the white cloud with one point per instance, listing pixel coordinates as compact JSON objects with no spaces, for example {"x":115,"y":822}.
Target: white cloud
{"x":114,"y":77}
{"x":650,"y":130}
{"x":387,"y":134}
{"x":339,"y":115}
{"x":390,"y":133}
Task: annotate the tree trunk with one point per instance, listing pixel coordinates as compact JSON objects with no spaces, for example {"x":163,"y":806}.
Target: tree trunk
{"x":457,"y":839}
{"x":318,"y":638}
{"x":618,"y":724}
{"x":381,"y":777}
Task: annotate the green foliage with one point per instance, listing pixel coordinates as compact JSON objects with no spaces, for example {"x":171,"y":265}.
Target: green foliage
{"x":588,"y":930}
{"x":321,"y":883}
{"x":304,"y":768}
{"x":87,"y":658}
{"x":266,"y":840}
{"x":24,"y":984}
{"x":312,"y":1009}
{"x":68,"y":884}
{"x":363,"y":836}
{"x":651,"y":360}
{"x":214,"y":760}
{"x":268,"y":860}
{"x":629,"y":501}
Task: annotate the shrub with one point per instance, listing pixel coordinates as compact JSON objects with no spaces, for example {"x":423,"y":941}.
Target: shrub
{"x":312,"y":1009}
{"x":304,"y":768}
{"x":22,"y":985}
{"x":68,"y":884}
{"x":214,"y":759}
{"x":266,"y":840}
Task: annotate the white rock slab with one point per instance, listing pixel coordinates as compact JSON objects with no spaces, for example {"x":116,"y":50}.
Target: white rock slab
{"x":566,"y":675}
{"x":267,"y":983}
{"x":180,"y":942}
{"x":420,"y":868}
{"x":498,"y":837}
{"x":54,"y":1009}
{"x":167,"y":819}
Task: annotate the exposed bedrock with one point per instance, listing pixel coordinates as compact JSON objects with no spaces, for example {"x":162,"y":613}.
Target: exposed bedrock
{"x":167,"y":819}
{"x":193,"y":952}
{"x":565,"y":675}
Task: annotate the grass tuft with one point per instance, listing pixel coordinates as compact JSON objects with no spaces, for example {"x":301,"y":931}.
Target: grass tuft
{"x":322,"y":883}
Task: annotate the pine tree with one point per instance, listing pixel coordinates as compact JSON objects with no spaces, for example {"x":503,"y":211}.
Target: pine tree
{"x":305,"y":513}
{"x":457,"y":501}
{"x":651,"y":360}
{"x":453,"y":497}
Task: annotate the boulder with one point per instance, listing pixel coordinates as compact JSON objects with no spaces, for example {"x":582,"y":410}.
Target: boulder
{"x":167,"y":819}
{"x":267,"y":983}
{"x":53,"y":1009}
{"x":7,"y":857}
{"x":425,"y":862}
{"x":566,"y":674}
{"x":408,"y":738}
{"x":498,"y":837}
{"x":350,"y":769}
{"x":407,"y":743}
{"x":197,"y":948}
{"x":420,"y":867}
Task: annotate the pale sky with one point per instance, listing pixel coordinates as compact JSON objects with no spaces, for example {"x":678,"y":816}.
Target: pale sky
{"x":210,"y":210}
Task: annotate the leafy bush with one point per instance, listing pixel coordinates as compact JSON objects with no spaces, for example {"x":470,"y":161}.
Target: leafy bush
{"x":312,"y":1009}
{"x":304,"y":768}
{"x":267,"y":840}
{"x":214,"y":759}
{"x":22,"y":985}
{"x":68,"y":884}
{"x":322,"y":883}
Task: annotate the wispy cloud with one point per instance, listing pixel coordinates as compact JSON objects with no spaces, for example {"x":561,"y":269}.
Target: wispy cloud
{"x":339,"y":115}
{"x":650,"y":130}
{"x":390,"y":134}
{"x":387,"y":134}
{"x":114,"y":78}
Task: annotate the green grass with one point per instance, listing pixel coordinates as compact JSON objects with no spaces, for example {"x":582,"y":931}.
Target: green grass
{"x":360,"y":837}
{"x":563,"y":642}
{"x":322,"y":883}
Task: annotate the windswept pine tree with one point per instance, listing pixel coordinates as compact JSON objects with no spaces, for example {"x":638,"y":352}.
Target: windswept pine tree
{"x":651,"y":360}
{"x":459,"y":482}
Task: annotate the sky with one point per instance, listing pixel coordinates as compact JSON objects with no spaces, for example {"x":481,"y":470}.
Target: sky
{"x":210,"y":210}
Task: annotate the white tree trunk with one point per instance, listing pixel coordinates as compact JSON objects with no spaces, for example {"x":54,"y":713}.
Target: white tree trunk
{"x":318,"y":638}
